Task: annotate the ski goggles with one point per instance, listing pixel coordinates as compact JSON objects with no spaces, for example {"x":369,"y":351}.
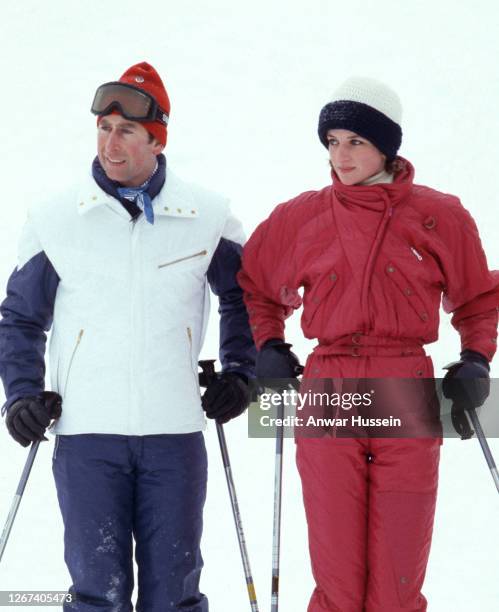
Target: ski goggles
{"x":133,"y":103}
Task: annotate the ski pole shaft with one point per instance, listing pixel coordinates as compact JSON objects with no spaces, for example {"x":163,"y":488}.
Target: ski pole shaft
{"x":276,"y":531}
{"x":208,"y":368}
{"x":18,"y":496}
{"x":485,"y":446}
{"x":237,"y":519}
{"x":276,"y":539}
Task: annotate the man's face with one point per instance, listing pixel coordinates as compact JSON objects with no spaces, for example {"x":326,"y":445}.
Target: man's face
{"x":125,"y":150}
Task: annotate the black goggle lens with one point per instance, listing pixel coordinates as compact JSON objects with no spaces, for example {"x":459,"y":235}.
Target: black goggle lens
{"x":132,"y":103}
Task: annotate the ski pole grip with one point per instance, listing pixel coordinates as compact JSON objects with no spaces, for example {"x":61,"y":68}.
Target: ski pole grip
{"x":207,"y":374}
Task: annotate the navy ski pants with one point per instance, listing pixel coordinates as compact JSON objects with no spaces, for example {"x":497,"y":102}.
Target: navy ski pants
{"x":113,"y":489}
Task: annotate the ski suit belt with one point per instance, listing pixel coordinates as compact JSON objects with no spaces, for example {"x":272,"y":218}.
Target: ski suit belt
{"x":360,"y":345}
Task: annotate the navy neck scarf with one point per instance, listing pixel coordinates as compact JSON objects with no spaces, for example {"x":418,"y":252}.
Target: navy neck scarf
{"x":154,"y":186}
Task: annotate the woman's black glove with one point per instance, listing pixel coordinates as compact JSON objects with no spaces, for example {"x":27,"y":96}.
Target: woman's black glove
{"x":28,"y":418}
{"x":275,"y":360}
{"x":226,"y":397}
{"x":467,"y":384}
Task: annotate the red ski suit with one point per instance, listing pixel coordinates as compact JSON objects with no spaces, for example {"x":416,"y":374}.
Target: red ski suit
{"x":374,"y":263}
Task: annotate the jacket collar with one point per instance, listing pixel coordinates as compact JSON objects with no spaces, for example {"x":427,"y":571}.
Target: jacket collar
{"x":92,"y":196}
{"x":174,"y":200}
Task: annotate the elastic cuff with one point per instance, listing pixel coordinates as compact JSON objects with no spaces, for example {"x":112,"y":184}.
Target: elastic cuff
{"x":17,"y":396}
{"x":272,"y":342}
{"x":242,"y":375}
{"x":469,"y":355}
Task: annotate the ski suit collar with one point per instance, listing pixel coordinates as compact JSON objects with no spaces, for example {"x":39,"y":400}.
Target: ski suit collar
{"x":375,"y":197}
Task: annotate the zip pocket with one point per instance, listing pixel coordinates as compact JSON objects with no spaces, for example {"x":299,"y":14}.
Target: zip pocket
{"x":78,"y":340}
{"x":176,"y":261}
{"x":196,"y":376}
{"x":418,"y":256}
{"x":58,"y":374}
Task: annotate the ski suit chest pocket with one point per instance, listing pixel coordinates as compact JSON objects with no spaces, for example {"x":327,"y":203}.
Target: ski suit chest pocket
{"x":319,"y":287}
{"x":321,"y":277}
{"x":318,"y":292}
{"x":407,"y":289}
{"x":414,"y":256}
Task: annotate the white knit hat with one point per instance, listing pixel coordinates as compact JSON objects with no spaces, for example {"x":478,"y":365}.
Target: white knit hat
{"x":373,"y":93}
{"x":367,"y":107}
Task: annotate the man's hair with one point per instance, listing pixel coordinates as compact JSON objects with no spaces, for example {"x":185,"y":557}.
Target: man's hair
{"x":152,"y":138}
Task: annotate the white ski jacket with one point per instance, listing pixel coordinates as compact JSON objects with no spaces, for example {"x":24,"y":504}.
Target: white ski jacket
{"x":130,"y":308}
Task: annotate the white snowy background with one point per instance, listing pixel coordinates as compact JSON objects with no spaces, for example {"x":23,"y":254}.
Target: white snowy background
{"x":247,"y":81}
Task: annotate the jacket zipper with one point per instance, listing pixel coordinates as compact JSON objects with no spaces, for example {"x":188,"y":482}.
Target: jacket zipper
{"x":78,"y":340}
{"x":58,"y":374}
{"x":416,"y":254}
{"x":189,"y":336}
{"x":175,"y":261}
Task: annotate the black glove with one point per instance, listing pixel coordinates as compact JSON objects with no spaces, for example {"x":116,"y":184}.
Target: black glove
{"x":226,"y":397}
{"x":467,"y":382}
{"x":460,"y":422}
{"x":276,"y":360}
{"x":28,"y":417}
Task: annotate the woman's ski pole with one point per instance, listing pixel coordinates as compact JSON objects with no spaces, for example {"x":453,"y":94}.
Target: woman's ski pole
{"x":485,"y":446}
{"x":208,"y":373}
{"x":18,"y":496}
{"x":276,"y":531}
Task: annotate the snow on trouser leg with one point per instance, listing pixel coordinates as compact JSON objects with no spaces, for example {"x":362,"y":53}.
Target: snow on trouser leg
{"x":170,"y":497}
{"x":370,"y":506}
{"x":114,"y":488}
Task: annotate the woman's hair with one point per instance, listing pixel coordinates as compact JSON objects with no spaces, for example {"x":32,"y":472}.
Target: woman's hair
{"x":395,"y":165}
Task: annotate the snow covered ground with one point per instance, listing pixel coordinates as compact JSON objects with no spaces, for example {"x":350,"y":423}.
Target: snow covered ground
{"x":247,"y":81}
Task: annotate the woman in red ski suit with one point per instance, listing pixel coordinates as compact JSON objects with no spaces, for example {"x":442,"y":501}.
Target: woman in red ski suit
{"x":374,"y":254}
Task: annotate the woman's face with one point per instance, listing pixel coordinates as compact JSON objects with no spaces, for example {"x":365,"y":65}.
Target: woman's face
{"x":353,"y":158}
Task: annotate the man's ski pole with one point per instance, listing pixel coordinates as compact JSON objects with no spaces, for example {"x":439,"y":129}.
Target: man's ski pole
{"x":485,"y":446}
{"x":18,"y":496}
{"x":208,"y":368}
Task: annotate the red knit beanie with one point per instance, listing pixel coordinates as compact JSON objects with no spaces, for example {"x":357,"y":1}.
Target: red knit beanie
{"x":143,"y":76}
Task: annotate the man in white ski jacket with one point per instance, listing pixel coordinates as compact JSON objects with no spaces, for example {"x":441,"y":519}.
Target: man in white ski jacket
{"x":119,"y":268}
